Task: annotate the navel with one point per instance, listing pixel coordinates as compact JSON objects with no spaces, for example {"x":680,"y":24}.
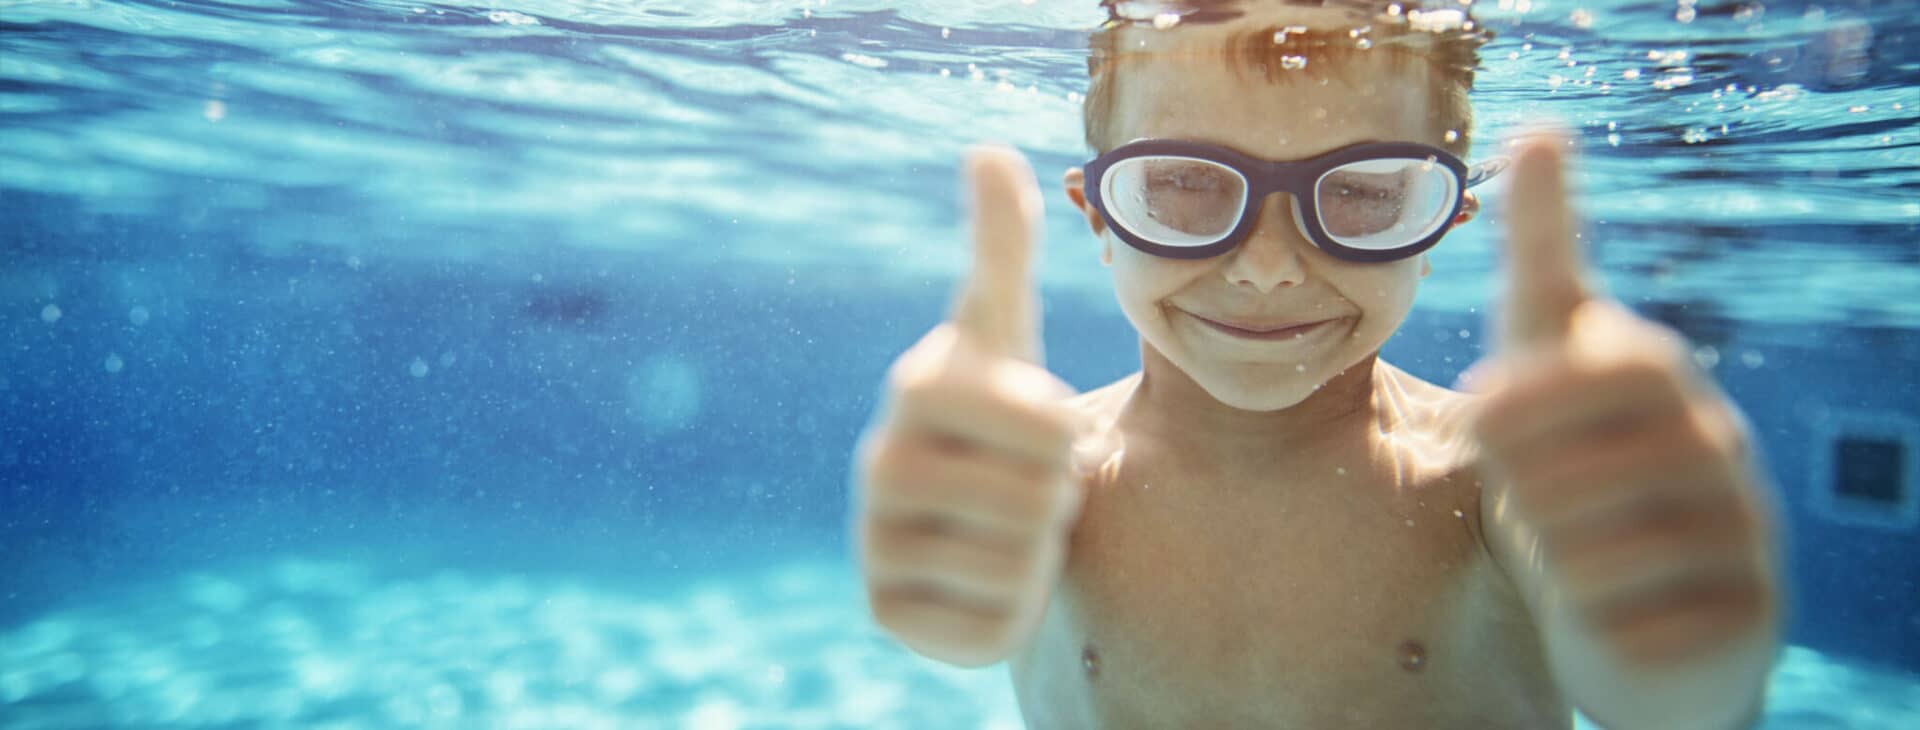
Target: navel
{"x":1090,"y":661}
{"x":1413,"y":656}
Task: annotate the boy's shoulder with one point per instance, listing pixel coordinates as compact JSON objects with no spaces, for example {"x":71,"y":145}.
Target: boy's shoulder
{"x":1431,"y":415}
{"x":1106,"y":396}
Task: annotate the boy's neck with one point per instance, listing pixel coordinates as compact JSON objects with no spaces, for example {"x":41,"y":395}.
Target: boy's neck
{"x":1178,"y":408}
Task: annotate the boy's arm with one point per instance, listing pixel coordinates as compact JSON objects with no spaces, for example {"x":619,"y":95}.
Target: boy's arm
{"x":1615,"y":695}
{"x":1619,"y":490}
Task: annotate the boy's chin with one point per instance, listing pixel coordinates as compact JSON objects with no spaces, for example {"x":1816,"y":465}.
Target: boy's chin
{"x":1252,"y":392}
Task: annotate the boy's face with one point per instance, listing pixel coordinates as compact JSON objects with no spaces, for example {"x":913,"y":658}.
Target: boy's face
{"x":1277,"y":275}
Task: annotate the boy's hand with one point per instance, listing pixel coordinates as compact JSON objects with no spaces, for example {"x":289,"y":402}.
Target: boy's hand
{"x":964,"y":482}
{"x":1624,"y":478}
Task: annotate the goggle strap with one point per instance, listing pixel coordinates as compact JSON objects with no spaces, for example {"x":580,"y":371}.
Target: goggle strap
{"x":1484,"y":170}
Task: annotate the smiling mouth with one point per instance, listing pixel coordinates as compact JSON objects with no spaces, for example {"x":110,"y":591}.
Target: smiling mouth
{"x":1282,"y":333}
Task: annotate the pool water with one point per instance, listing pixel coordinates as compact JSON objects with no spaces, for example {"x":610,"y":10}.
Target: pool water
{"x":368,"y":363}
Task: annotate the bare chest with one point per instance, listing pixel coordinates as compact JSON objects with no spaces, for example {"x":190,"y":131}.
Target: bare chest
{"x":1345,"y":597}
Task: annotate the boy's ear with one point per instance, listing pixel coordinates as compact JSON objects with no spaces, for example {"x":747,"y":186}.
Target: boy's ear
{"x":1075,"y":184}
{"x":1469,"y":207}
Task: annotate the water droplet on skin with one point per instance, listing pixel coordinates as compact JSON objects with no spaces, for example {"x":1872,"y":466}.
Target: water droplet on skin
{"x":1293,"y":63}
{"x":1459,"y":514}
{"x":1164,"y":21}
{"x":1363,"y":44}
{"x":1452,"y":136}
{"x":1301,"y":368}
{"x":1413,"y":656}
{"x":1090,"y":660}
{"x":1341,"y":470}
{"x":1409,"y":523}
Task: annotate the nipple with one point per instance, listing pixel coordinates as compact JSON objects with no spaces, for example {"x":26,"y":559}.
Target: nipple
{"x":1413,"y":656}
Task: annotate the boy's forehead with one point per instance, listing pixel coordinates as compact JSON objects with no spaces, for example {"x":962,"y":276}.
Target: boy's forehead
{"x":1182,"y":82}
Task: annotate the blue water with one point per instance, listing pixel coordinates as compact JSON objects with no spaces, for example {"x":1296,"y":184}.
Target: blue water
{"x":377,"y":364}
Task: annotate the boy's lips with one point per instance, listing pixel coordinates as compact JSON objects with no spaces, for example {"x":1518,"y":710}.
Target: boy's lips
{"x":1261,"y":330}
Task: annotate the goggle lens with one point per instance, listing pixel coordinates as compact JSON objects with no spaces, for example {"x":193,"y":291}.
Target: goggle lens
{"x":1384,"y":204}
{"x":1175,"y":201}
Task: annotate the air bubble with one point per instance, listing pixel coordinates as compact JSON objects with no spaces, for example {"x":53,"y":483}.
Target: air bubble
{"x":50,"y":313}
{"x":1673,"y":81}
{"x":1752,"y":359}
{"x":1706,"y":356}
{"x":418,"y":369}
{"x":114,"y":364}
{"x":1293,"y":63}
{"x":138,"y":316}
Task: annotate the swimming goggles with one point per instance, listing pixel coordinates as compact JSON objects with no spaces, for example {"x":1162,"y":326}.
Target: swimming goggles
{"x":1369,"y":202}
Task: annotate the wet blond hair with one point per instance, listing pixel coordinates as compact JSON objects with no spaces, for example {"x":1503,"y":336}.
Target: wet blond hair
{"x":1442,"y":44}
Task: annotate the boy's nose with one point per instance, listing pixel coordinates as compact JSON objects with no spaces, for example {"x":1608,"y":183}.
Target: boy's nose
{"x":1272,"y":255}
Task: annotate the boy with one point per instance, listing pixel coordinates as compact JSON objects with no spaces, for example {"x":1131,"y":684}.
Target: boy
{"x":1268,"y":526}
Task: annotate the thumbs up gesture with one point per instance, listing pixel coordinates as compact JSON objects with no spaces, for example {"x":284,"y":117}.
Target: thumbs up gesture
{"x":965,"y":487}
{"x":1621,"y":481}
